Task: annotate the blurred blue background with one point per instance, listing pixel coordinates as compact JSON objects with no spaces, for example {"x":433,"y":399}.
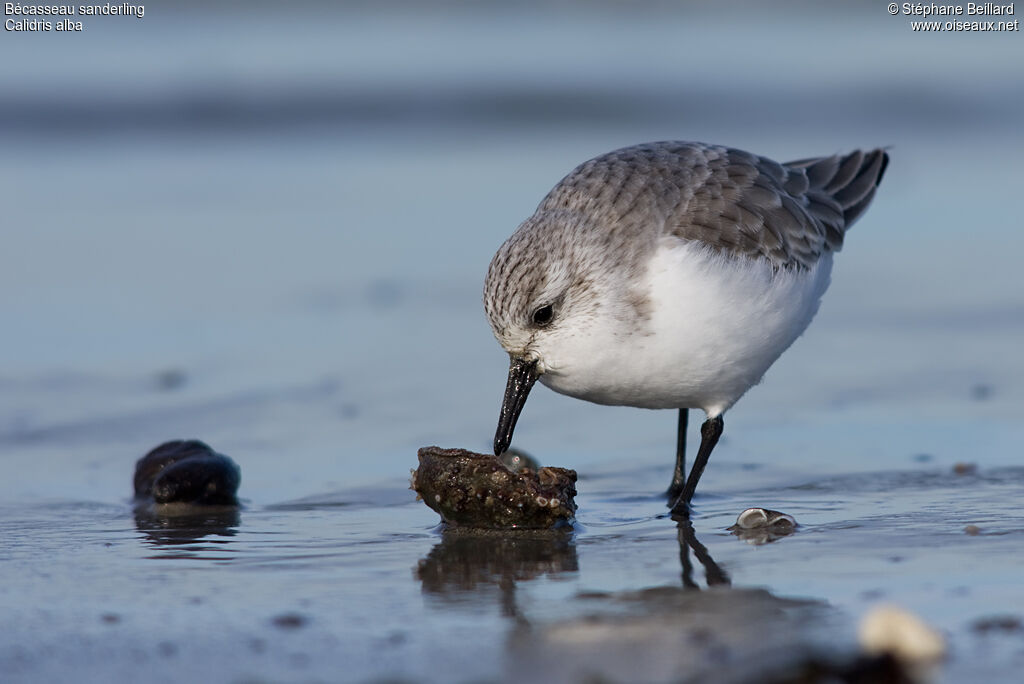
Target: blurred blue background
{"x":267,"y":224}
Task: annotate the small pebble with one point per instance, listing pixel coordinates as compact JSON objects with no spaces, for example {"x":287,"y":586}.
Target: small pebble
{"x":998,"y":623}
{"x":290,"y":621}
{"x":186,"y":471}
{"x":170,"y":379}
{"x":981,"y":392}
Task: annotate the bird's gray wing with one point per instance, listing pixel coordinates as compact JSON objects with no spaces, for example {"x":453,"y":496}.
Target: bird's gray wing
{"x":787,"y":213}
{"x":727,"y":199}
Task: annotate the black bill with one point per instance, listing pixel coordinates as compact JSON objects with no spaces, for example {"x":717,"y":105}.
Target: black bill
{"x":521,"y":376}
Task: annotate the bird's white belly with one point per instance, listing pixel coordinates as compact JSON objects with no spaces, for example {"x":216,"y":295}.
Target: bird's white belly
{"x":714,"y":326}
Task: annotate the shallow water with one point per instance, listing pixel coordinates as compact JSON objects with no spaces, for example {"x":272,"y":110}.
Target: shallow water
{"x":359,"y":582}
{"x":280,"y":251}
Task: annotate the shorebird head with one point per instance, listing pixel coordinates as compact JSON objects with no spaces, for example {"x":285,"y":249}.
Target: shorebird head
{"x":551,"y":299}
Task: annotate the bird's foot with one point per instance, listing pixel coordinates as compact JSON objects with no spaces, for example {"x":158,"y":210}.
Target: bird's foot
{"x":679,"y":509}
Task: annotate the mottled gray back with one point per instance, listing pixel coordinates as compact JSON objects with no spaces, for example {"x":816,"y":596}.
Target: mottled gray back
{"x":730,"y":200}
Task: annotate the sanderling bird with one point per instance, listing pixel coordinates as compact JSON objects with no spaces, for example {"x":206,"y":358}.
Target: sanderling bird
{"x":670,"y":275}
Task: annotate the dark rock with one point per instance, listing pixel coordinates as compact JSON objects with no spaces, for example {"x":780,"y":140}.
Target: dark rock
{"x":290,"y":621}
{"x":187,"y":471}
{"x":998,"y":623}
{"x":476,"y":490}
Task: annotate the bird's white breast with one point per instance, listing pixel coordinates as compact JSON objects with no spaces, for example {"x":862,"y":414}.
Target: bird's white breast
{"x":713,"y":326}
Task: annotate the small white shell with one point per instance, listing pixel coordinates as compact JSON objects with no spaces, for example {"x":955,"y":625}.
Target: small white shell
{"x":888,"y":629}
{"x":754,"y":518}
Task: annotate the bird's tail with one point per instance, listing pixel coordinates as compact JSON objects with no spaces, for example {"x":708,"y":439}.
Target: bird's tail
{"x":849,"y":180}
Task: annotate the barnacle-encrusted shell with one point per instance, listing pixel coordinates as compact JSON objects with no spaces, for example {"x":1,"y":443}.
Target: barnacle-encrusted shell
{"x":476,"y":490}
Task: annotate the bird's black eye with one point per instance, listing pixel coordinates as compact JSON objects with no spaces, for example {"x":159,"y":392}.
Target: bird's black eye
{"x":543,"y":315}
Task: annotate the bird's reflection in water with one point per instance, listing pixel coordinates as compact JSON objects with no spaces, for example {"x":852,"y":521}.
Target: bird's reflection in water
{"x":713,"y":573}
{"x":467,"y":563}
{"x":187,"y":531}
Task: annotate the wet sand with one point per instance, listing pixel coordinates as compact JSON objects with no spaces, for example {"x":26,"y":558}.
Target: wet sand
{"x":364,"y":581}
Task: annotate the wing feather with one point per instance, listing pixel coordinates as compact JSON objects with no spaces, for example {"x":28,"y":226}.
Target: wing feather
{"x":731,"y":201}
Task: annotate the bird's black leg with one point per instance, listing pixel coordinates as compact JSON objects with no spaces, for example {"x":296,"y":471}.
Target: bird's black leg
{"x":710,"y":431}
{"x":679,"y":476}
